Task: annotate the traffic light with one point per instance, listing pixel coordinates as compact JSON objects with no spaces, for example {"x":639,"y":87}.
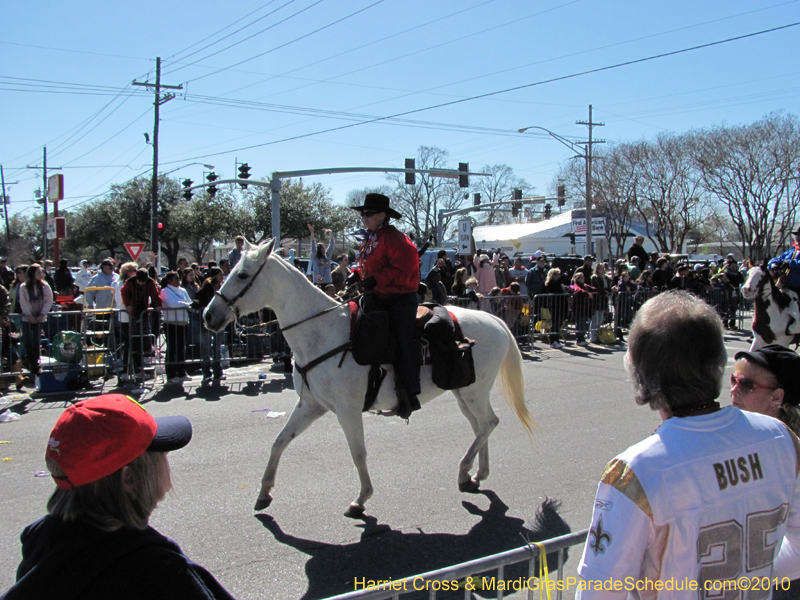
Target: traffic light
{"x":572,"y":239}
{"x":411,"y":178}
{"x":187,"y":193}
{"x":517,"y":194}
{"x":212,"y":189}
{"x":548,"y":211}
{"x":476,"y":199}
{"x":515,"y":206}
{"x":244,"y":173}
{"x":562,"y":195}
{"x":463,"y":180}
{"x":159,"y":230}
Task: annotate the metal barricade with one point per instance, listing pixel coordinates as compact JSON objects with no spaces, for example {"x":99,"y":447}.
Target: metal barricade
{"x":551,"y":315}
{"x":249,"y":338}
{"x":430,"y":581}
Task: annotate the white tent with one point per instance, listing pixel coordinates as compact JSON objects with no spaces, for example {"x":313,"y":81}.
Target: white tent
{"x":551,"y":236}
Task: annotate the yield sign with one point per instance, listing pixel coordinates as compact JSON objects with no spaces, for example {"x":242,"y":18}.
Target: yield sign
{"x":134,"y":249}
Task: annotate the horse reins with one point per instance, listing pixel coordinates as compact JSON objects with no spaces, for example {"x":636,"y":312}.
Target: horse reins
{"x":229,"y":303}
{"x":320,"y":359}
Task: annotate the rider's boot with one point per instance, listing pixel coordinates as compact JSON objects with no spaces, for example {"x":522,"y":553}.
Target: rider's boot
{"x":406,"y":403}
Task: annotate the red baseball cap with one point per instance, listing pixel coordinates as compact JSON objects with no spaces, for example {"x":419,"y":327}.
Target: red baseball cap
{"x":94,"y":438}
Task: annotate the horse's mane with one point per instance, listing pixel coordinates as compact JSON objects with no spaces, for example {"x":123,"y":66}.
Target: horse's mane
{"x":295,"y":272}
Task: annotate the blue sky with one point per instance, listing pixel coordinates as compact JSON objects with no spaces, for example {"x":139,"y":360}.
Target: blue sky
{"x":297,"y":68}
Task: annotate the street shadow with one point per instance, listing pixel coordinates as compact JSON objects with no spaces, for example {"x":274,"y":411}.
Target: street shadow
{"x":384,"y":553}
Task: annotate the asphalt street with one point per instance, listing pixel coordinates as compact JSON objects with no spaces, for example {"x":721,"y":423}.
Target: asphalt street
{"x":302,"y":546}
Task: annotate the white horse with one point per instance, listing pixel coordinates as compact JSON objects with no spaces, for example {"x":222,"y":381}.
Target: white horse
{"x":776,"y":319}
{"x":316,"y":325}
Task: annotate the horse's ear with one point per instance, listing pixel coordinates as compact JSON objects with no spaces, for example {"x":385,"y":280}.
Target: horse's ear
{"x":248,"y":246}
{"x":267,"y":250}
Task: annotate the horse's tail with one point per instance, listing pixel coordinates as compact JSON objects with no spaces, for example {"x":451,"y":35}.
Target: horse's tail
{"x":513,"y":385}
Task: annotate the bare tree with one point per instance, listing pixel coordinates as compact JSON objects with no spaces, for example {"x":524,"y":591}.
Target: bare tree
{"x":669,"y":192}
{"x":496,"y":188}
{"x":751,"y":169}
{"x":420,"y":203}
{"x":616,"y":181}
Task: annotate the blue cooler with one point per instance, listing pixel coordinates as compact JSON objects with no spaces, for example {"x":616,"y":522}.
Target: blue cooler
{"x":58,"y":377}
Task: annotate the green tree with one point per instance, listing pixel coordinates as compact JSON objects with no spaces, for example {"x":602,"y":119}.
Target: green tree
{"x":204,"y":220}
{"x":300,"y":204}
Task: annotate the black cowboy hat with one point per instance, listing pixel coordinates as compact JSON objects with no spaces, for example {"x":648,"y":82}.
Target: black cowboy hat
{"x":378,"y":203}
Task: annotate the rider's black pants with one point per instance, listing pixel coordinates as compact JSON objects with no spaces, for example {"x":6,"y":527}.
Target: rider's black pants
{"x":402,"y":309}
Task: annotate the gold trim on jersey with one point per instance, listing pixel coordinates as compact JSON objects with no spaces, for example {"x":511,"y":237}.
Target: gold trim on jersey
{"x":621,"y":477}
{"x":796,"y":450}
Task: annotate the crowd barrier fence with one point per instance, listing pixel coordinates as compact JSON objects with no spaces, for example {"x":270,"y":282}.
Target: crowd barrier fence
{"x":112,"y":346}
{"x":548,"y":317}
{"x":480,"y":571}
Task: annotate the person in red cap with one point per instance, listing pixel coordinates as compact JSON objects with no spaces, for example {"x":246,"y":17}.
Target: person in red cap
{"x":389,"y":268}
{"x":108,"y":458}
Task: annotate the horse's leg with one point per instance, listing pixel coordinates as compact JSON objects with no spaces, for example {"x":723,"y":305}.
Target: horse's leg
{"x":305,"y":412}
{"x":475,"y":402}
{"x":352,"y":424}
{"x":483,"y":453}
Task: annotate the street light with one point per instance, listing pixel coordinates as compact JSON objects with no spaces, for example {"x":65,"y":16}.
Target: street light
{"x":586,"y":154}
{"x":209,"y":167}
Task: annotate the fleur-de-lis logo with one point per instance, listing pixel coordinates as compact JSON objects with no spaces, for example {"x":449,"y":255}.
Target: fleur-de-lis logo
{"x":601,"y":538}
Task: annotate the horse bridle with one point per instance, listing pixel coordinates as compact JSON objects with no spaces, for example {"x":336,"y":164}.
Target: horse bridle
{"x":230,"y":303}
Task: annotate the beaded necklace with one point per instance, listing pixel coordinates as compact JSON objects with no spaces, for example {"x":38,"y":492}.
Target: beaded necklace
{"x":367,"y":246}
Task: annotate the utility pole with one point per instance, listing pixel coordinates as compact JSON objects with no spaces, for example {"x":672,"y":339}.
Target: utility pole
{"x":159,"y":100}
{"x":588,"y":157}
{"x":5,"y":202}
{"x":43,"y":198}
{"x":44,"y":203}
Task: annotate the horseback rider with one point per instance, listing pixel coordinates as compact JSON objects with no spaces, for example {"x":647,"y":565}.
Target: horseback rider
{"x":791,"y":259}
{"x":389,"y":268}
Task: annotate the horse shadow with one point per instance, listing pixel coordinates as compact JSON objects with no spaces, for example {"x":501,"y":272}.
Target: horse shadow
{"x":384,"y":553}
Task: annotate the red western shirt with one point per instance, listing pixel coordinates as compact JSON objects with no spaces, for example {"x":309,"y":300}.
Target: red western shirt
{"x":392,"y":258}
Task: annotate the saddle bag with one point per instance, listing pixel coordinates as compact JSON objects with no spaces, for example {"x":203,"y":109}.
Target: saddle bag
{"x":451,"y":353}
{"x":452,"y":364}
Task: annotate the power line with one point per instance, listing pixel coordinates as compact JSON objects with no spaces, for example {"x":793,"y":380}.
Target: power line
{"x":257,"y":33}
{"x":290,"y":42}
{"x":252,"y":105}
{"x":504,"y":91}
{"x":96,"y":125}
{"x":70,"y":50}
{"x":227,"y":36}
{"x":459,"y":12}
{"x":563,"y":56}
{"x":110,"y":138}
{"x":427,"y":49}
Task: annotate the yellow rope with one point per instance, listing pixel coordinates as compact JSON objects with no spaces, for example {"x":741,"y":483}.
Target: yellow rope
{"x":544,"y":572}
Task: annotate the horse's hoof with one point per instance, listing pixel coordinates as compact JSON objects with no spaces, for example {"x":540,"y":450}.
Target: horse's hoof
{"x":469,"y":486}
{"x":354,"y":511}
{"x":262,"y":503}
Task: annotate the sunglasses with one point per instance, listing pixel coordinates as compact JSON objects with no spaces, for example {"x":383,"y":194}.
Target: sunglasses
{"x":747,"y":385}
{"x":369,"y":213}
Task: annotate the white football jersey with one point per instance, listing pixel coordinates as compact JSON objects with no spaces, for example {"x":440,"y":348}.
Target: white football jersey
{"x":704,"y":499}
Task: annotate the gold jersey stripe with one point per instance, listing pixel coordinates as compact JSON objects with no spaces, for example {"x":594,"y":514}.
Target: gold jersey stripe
{"x":621,"y":477}
{"x":796,"y":450}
